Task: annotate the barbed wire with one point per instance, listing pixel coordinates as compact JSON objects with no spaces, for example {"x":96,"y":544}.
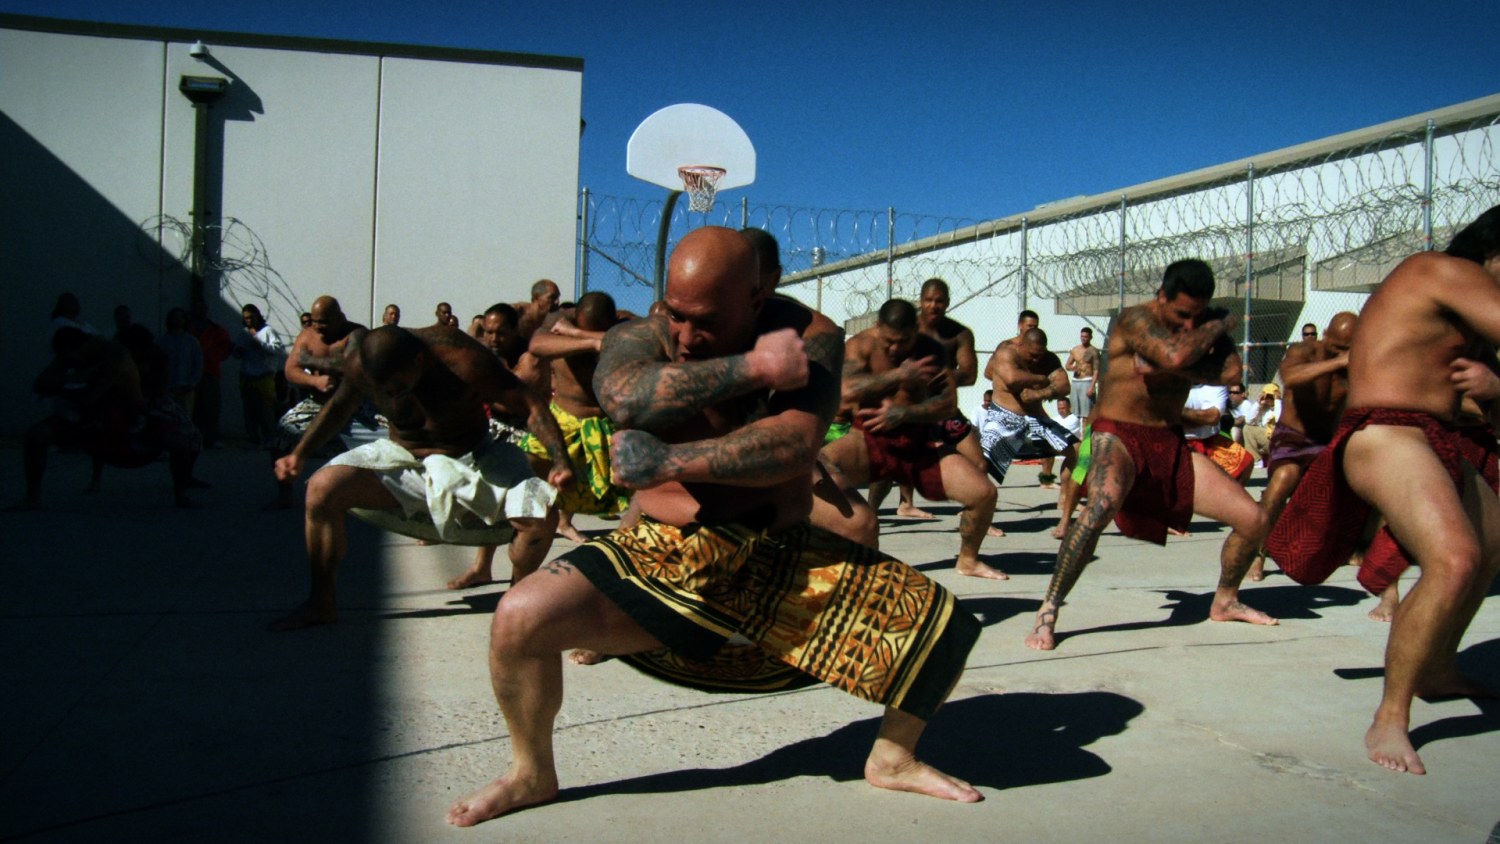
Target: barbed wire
{"x":236,"y":259}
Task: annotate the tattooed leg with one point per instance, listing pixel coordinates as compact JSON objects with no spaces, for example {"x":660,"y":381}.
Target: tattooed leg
{"x":969,"y":487}
{"x":1283,"y":482}
{"x":1221,"y":498}
{"x":1111,"y":477}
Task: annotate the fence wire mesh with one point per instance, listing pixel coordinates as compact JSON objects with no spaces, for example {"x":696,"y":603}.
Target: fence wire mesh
{"x":1294,"y":237}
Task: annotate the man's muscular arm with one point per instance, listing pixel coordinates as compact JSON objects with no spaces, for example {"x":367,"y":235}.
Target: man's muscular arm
{"x":1298,"y":368}
{"x":1056,"y":387}
{"x":780,"y":447}
{"x":862,"y":386}
{"x":639,"y":387}
{"x":1165,"y":349}
{"x":556,"y":344}
{"x":966,"y":362}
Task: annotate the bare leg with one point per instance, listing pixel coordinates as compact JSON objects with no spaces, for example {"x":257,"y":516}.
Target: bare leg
{"x":971,"y":488}
{"x":539,"y":619}
{"x":1111,"y":477}
{"x":839,"y":508}
{"x":893,"y":763}
{"x":1278,"y":491}
{"x":907,"y":507}
{"x":970,"y":448}
{"x":331,"y":491}
{"x":1221,"y":498}
{"x":1067,"y":499}
{"x":530,"y":545}
{"x":1455,"y":541}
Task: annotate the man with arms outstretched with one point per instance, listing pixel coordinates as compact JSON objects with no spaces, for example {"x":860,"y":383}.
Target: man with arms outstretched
{"x":722,"y":405}
{"x":1143,"y":475}
{"x":1425,"y":342}
{"x":1316,"y":376}
{"x":432,"y":384}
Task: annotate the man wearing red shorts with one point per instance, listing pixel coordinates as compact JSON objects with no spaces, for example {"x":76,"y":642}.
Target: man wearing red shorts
{"x":1143,"y":475}
{"x":1424,"y":345}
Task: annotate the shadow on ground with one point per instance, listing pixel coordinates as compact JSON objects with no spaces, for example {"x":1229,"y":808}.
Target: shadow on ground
{"x":1187,"y":608}
{"x":1043,"y":742}
{"x":1480,"y":662}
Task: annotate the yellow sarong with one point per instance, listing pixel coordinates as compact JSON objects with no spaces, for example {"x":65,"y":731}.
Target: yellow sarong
{"x":587,"y":441}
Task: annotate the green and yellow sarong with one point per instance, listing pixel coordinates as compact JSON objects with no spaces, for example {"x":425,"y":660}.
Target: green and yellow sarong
{"x":587,"y":441}
{"x":837,"y":431}
{"x":809,"y":603}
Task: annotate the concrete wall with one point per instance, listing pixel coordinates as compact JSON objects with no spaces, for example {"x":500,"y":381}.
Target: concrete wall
{"x":375,"y":173}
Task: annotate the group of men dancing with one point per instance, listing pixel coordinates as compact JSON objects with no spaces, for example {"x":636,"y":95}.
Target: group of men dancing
{"x":740,"y":424}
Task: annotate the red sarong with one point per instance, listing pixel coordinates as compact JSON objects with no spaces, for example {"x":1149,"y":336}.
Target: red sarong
{"x":1323,"y":522}
{"x":908,"y":456}
{"x":1162,"y":496}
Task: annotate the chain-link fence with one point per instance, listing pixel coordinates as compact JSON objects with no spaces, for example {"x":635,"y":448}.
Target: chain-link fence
{"x":1294,"y":236}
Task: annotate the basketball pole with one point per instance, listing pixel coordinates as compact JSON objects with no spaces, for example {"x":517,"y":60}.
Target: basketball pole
{"x":659,"y":283}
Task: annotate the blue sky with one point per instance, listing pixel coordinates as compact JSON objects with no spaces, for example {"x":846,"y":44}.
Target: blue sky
{"x":972,"y":110}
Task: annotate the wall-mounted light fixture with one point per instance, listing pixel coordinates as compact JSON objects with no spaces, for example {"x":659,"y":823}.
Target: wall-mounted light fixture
{"x":199,"y":50}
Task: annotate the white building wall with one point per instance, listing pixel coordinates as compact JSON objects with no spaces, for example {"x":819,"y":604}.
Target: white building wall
{"x":405,"y":175}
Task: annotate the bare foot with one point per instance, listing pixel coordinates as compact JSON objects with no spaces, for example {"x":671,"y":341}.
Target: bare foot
{"x":305,"y":615}
{"x":506,"y":794}
{"x":1175,"y":532}
{"x":1390,"y":748}
{"x":1043,"y":637}
{"x":912,"y":511}
{"x":1386,"y":610}
{"x":919,"y":778}
{"x":1237,"y":611}
{"x":978,"y":569}
{"x":471,"y":578}
{"x":571,"y":533}
{"x":995,"y":532}
{"x":426,"y":543}
{"x":1059,"y":531}
{"x":1257,"y":571}
{"x":584,"y":656}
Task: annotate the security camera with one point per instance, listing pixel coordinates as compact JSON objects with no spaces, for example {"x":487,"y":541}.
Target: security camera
{"x":199,"y":50}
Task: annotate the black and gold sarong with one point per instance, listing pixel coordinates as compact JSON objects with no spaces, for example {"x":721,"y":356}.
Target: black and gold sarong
{"x":812,"y":606}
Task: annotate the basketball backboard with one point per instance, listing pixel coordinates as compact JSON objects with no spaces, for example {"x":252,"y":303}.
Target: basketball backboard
{"x":690,"y":135}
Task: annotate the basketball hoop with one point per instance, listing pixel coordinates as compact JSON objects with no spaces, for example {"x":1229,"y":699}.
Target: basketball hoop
{"x":700,"y":184}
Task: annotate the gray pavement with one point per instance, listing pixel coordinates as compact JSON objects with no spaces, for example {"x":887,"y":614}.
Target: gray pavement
{"x":144,"y":701}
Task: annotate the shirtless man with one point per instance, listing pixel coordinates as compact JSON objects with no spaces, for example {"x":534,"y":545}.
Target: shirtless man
{"x":1315,"y":373}
{"x":432,"y":384}
{"x":1143,"y":475}
{"x":313,"y":366}
{"x":444,"y":314}
{"x":1024,"y":375}
{"x":722,"y":406}
{"x":1425,"y":338}
{"x":513,"y":420}
{"x":1083,"y":363}
{"x":545,"y":301}
{"x":391,"y":316}
{"x":901,"y":393}
{"x":101,"y":408}
{"x":568,"y":356}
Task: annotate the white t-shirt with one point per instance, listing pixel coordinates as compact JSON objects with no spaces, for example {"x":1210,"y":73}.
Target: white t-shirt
{"x":1201,"y":397}
{"x":1072,"y":423}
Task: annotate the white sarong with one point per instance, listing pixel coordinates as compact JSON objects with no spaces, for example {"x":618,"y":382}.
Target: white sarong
{"x":467,"y":499}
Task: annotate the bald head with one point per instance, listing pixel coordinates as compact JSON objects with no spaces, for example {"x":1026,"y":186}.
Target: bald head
{"x":720,"y":258}
{"x":325,"y":307}
{"x":1340,"y":331}
{"x":596,"y":311}
{"x":388,"y":350}
{"x":327,"y":318}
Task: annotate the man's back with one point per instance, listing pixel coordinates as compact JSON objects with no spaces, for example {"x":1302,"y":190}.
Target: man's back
{"x":1423,"y":317}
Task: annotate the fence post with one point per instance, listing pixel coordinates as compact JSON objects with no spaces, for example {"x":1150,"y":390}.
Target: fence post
{"x":1249,"y":256}
{"x":1123,"y":200}
{"x":1025,"y":282}
{"x":582,"y":286}
{"x":744,"y":212}
{"x":1427,"y":188}
{"x":890,"y":252}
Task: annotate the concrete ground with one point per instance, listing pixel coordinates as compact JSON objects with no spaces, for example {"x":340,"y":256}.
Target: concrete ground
{"x":144,"y":700}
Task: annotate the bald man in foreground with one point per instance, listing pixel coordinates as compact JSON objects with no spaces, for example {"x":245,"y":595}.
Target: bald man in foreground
{"x":722,"y":406}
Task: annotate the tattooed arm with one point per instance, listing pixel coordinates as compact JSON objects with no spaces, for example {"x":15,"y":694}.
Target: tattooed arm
{"x":1163,"y":349}
{"x":639,"y":386}
{"x":767,"y":452}
{"x":1058,"y":385}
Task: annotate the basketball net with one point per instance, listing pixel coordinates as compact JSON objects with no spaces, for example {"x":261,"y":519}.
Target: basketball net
{"x":700,"y":183}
